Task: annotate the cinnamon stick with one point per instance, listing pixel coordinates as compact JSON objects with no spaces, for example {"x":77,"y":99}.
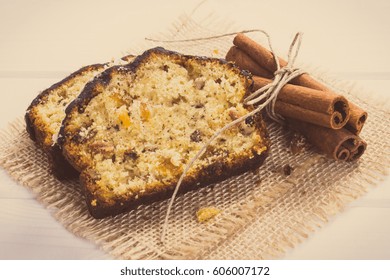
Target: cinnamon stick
{"x":338,"y":144}
{"x":264,"y":58}
{"x":310,"y":105}
{"x":242,"y":60}
{"x":357,"y":118}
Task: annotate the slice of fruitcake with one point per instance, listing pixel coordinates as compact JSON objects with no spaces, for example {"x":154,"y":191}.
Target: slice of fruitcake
{"x":132,"y":131}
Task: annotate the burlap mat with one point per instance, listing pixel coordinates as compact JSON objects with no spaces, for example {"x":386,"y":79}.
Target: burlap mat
{"x":263,"y":212}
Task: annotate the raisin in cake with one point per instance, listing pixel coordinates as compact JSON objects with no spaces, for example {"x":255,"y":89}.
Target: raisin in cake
{"x":47,"y":110}
{"x":133,"y":129}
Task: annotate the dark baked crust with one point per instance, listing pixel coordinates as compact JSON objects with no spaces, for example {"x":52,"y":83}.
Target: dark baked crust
{"x":213,"y":173}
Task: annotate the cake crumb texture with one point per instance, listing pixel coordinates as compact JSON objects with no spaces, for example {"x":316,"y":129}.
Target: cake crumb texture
{"x":134,"y":129}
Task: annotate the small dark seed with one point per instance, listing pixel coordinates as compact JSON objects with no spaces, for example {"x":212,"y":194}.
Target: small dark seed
{"x":218,"y":81}
{"x":250,"y":121}
{"x":131,"y":155}
{"x":149,"y":149}
{"x":199,"y":105}
{"x":165,"y":68}
{"x":196,"y":136}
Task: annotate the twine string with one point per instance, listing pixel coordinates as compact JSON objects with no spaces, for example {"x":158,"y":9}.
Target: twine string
{"x":281,"y":77}
{"x":264,"y":97}
{"x":209,"y":37}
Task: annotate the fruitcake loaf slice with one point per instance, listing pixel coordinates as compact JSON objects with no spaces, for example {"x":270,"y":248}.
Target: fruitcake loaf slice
{"x":46,"y":112}
{"x":133,"y":129}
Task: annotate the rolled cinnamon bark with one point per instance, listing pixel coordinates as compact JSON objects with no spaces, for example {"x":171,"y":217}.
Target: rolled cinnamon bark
{"x":357,"y":118}
{"x":338,"y":144}
{"x":309,"y":105}
{"x":242,"y":60}
{"x":264,"y":58}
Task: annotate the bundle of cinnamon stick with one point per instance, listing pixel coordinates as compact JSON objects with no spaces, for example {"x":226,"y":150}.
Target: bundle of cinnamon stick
{"x":327,"y":119}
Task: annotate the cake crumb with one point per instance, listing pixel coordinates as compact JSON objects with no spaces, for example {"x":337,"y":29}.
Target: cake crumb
{"x":207,"y":213}
{"x":297,"y":143}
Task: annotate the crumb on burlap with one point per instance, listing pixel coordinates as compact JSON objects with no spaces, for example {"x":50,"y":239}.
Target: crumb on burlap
{"x":207,"y":213}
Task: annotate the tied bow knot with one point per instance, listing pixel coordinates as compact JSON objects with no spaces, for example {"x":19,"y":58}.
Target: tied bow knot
{"x":264,"y":97}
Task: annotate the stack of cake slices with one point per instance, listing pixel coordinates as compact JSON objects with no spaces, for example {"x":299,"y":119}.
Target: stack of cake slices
{"x":129,"y":131}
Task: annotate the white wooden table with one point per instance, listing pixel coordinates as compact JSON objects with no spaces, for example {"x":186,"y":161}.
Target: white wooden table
{"x":42,"y":41}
